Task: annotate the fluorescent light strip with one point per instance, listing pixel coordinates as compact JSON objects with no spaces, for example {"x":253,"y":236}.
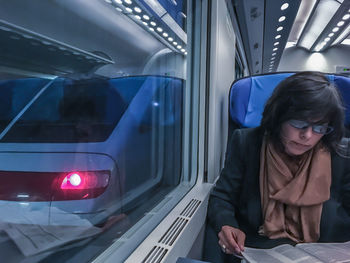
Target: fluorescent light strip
{"x":342,"y":35}
{"x":171,"y":23}
{"x":161,"y":12}
{"x":303,"y":15}
{"x":290,"y":44}
{"x":323,"y":14}
{"x":346,"y":42}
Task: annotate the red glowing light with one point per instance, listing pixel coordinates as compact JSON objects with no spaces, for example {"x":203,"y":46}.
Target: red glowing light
{"x":79,"y":185}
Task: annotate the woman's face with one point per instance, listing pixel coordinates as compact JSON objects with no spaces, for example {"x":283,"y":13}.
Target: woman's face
{"x":298,"y":141}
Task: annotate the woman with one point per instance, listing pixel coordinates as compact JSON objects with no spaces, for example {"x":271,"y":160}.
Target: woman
{"x":283,"y":182}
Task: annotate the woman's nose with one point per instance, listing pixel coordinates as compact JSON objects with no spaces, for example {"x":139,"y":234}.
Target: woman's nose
{"x":306,"y":133}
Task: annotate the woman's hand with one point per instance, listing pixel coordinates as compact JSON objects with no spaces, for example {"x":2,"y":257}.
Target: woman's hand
{"x":231,"y":240}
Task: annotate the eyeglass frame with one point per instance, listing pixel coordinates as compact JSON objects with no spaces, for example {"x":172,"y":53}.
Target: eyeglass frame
{"x":301,"y":125}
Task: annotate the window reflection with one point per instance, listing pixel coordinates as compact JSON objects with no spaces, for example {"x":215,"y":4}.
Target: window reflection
{"x":89,"y":129}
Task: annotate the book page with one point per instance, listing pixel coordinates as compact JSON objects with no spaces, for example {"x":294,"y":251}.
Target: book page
{"x":279,"y":254}
{"x":328,"y":252}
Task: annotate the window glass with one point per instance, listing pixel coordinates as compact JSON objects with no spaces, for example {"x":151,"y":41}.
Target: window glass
{"x":91,"y":120}
{"x":239,"y":69}
{"x":15,"y":95}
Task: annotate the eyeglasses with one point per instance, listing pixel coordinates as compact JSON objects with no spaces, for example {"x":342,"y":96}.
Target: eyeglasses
{"x":317,"y":128}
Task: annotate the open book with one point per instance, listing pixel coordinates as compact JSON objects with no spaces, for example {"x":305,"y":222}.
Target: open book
{"x":301,"y":253}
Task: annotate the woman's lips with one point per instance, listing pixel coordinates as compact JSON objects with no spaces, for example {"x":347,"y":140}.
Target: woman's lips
{"x":299,"y":145}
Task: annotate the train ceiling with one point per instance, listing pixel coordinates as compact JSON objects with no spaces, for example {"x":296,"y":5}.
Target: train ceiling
{"x":269,"y":27}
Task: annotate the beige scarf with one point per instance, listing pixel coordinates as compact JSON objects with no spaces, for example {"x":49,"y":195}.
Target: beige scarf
{"x":293,"y":192}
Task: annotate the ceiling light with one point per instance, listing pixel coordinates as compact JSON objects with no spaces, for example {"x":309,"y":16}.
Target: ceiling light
{"x":165,"y":34}
{"x":175,"y":43}
{"x":346,"y":17}
{"x":278,"y":36}
{"x":340,"y":23}
{"x":284,"y":6}
{"x":183,"y":50}
{"x":145,"y":23}
{"x":342,"y":35}
{"x":179,"y":46}
{"x":305,"y":10}
{"x":119,"y":9}
{"x":159,"y":29}
{"x":118,"y":1}
{"x":327,"y":39}
{"x":279,"y":28}
{"x":276,"y":43}
{"x":186,"y":53}
{"x":128,"y":9}
{"x":273,"y":58}
{"x":331,"y":34}
{"x":138,"y":17}
{"x":153,"y":23}
{"x":129,"y":2}
{"x":275,"y":49}
{"x":323,"y":14}
{"x":170,"y":39}
{"x":335,"y":29}
{"x":175,"y":27}
{"x":151,"y":29}
{"x":109,"y":1}
{"x":281,"y":19}
{"x":146,"y":17}
{"x":274,"y":54}
{"x":137,"y":9}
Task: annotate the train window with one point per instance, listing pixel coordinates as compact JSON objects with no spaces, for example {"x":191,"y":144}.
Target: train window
{"x":239,"y":68}
{"x":91,"y":122}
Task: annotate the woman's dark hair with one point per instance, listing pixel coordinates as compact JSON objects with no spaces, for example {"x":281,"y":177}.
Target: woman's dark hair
{"x":307,"y":96}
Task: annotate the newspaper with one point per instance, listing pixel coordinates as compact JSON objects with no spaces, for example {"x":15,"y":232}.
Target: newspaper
{"x":33,"y":239}
{"x":301,"y":253}
{"x":31,"y":233}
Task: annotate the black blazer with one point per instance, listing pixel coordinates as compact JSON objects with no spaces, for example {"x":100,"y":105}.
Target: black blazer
{"x":235,"y":200}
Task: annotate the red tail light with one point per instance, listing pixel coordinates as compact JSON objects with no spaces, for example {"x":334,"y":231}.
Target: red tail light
{"x":52,"y":186}
{"x":82,"y":185}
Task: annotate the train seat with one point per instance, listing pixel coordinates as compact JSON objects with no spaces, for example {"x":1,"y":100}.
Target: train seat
{"x":248,"y":96}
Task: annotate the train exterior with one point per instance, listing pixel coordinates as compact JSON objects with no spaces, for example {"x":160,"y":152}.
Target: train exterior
{"x":114,"y":115}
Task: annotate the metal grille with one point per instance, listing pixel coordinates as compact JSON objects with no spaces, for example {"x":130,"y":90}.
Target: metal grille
{"x":173,"y":232}
{"x":191,"y":208}
{"x":156,"y":255}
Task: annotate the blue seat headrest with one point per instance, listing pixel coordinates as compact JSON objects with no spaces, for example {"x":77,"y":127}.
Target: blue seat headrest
{"x":249,"y":95}
{"x":343,"y":84}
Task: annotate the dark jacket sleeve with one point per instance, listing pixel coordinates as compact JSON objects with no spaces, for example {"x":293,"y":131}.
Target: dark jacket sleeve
{"x":224,"y":199}
{"x":335,"y":220}
{"x":346,"y":190}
